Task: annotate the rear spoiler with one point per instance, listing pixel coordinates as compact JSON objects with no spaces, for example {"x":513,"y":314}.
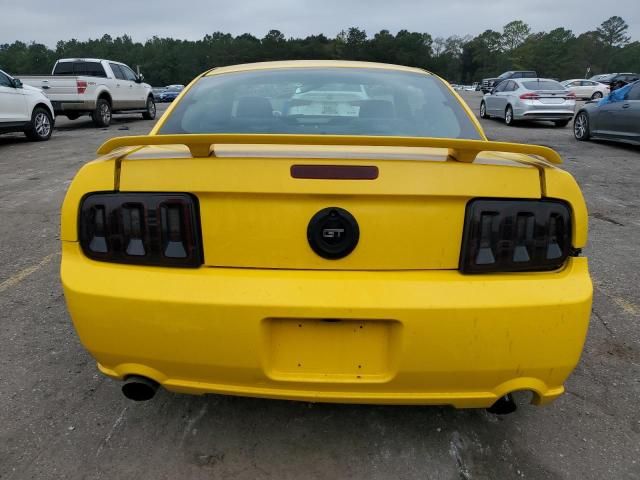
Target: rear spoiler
{"x":200,"y":145}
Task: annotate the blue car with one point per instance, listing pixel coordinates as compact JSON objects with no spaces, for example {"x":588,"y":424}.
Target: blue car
{"x":169,"y":95}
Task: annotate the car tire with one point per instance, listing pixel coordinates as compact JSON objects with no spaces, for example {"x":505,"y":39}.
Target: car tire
{"x":483,"y":110}
{"x":596,"y":96}
{"x":101,"y":116}
{"x":150,"y":112}
{"x":41,"y":126}
{"x":581,"y":127}
{"x":561,"y":123}
{"x":508,"y":116}
{"x":72,"y":116}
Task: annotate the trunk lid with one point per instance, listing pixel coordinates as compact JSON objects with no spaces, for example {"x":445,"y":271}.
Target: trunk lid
{"x":255,"y":214}
{"x":552,"y":97}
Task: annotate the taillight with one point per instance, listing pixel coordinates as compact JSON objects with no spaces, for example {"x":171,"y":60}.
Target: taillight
{"x":570,"y":96}
{"x":530,"y":96}
{"x":515,"y":235}
{"x":141,"y":228}
{"x":81,"y":85}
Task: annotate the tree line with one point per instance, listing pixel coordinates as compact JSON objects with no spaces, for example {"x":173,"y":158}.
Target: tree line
{"x":559,"y":53}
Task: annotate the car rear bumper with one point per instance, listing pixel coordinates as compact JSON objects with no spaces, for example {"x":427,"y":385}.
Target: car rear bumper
{"x":537,"y":111}
{"x":412,"y":337}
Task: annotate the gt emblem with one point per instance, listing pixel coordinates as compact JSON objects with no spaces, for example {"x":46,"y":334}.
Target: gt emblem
{"x":332,"y":232}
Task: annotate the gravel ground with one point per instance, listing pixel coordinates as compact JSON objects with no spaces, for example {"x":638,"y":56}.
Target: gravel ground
{"x":59,"y":418}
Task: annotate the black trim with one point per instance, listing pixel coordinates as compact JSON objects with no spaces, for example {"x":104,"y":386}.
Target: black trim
{"x":8,"y":127}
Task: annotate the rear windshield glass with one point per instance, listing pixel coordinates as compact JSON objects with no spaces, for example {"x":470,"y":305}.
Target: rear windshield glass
{"x":64,"y":68}
{"x":330,"y":101}
{"x":90,"y":69}
{"x":543,"y":85}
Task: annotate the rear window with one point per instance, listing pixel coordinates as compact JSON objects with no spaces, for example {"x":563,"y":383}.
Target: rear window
{"x":90,"y":69}
{"x":64,"y":68}
{"x":543,"y":85}
{"x":330,"y":101}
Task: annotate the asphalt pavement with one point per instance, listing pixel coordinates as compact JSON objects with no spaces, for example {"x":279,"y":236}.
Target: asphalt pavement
{"x":60,"y":418}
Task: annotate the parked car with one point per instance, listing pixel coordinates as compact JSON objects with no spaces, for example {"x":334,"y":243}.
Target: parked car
{"x":529,"y":99}
{"x":24,"y":109}
{"x":157,"y":91}
{"x":586,"y":89}
{"x":488,"y":84}
{"x":100,"y":88}
{"x":615,"y":118}
{"x":337,"y":258}
{"x":614,"y":78}
{"x":168,"y":95}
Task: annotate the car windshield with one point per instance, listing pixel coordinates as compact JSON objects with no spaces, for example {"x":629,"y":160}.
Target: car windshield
{"x":330,"y":101}
{"x":505,"y":75}
{"x":543,"y":85}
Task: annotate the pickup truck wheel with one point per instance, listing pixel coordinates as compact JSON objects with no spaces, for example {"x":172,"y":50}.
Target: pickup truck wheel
{"x":483,"y":110}
{"x":41,"y":125}
{"x":150,"y":114}
{"x":508,"y":116}
{"x":101,"y":116}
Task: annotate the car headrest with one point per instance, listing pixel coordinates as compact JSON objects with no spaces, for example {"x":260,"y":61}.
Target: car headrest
{"x":254,"y":107}
{"x":376,"y":108}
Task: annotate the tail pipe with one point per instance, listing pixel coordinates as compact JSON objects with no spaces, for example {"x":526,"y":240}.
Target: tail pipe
{"x":139,"y":388}
{"x":504,"y":405}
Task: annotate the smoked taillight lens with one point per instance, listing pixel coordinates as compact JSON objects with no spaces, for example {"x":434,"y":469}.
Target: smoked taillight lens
{"x":515,"y":235}
{"x":141,"y":228}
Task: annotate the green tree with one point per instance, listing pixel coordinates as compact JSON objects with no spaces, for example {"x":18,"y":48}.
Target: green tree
{"x":514,"y":34}
{"x":558,"y":53}
{"x":613,"y":31}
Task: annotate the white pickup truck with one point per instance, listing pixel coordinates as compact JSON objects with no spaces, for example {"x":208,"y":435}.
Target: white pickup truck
{"x":100,"y":88}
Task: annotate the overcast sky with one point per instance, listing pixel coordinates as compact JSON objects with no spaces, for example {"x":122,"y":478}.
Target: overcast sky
{"x":47,"y":21}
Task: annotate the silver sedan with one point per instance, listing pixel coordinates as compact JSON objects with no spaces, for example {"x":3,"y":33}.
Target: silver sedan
{"x":529,"y":99}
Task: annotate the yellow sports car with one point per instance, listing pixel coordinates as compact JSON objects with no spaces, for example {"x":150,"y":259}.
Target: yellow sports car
{"x":361,"y":243}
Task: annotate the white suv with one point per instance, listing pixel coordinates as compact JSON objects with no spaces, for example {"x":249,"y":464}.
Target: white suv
{"x":24,"y":109}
